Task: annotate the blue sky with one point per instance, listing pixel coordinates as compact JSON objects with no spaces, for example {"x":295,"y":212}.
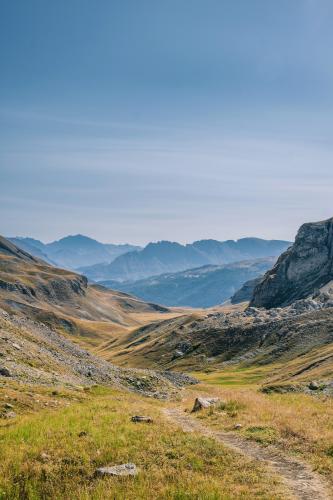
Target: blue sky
{"x":137,"y":121}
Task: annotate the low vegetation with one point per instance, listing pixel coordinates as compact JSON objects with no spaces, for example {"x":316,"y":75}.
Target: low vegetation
{"x":297,"y":423}
{"x":53,"y":452}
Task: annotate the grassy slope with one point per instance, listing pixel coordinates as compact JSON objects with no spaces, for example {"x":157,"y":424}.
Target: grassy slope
{"x":44,"y":457}
{"x":300,"y":424}
{"x":295,"y":350}
{"x":147,"y":347}
{"x":91,"y":317}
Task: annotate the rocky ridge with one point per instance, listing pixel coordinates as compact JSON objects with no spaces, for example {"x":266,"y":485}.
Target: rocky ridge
{"x":305,"y":267}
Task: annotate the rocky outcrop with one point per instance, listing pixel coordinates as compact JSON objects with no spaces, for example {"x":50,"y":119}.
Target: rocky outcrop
{"x":303,"y":269}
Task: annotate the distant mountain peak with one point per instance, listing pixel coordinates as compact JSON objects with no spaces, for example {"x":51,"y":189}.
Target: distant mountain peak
{"x":168,"y":257}
{"x":73,"y":251}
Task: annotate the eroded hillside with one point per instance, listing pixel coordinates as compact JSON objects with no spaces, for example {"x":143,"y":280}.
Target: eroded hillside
{"x":63,"y":300}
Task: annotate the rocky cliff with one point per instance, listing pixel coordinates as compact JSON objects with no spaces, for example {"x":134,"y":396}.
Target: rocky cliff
{"x":303,"y":269}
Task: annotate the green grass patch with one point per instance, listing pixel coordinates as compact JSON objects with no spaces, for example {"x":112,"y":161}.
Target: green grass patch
{"x":263,"y":435}
{"x":236,"y":376}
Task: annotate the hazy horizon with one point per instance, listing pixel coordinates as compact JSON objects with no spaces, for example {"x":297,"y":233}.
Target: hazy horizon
{"x":144,"y":121}
{"x":134,"y":243}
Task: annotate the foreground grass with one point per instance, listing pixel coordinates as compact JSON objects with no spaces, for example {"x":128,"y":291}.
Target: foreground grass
{"x":54,"y":453}
{"x":299,"y":424}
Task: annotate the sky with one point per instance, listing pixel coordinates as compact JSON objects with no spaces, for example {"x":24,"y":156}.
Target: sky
{"x":136,"y":121}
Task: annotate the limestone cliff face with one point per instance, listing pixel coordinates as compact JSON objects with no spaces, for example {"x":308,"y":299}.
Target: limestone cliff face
{"x":305,"y":267}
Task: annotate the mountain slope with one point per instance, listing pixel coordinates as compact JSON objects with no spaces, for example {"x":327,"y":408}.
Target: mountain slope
{"x":200,"y":287}
{"x":292,"y":337}
{"x":36,"y":355}
{"x":294,"y":343}
{"x":63,"y":299}
{"x":303,"y":268}
{"x":166,"y":257}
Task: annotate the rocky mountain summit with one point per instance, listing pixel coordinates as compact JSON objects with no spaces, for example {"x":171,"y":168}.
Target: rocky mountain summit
{"x":305,"y":267}
{"x":72,"y":252}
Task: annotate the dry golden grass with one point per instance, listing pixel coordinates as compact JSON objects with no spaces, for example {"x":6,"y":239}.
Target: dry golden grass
{"x":43,"y":455}
{"x":300,"y":424}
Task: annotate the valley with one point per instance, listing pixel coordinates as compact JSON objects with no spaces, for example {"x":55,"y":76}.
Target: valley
{"x":201,"y":287}
{"x":78,"y":360}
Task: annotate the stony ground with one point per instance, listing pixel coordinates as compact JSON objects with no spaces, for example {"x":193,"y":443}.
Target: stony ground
{"x":32,"y":353}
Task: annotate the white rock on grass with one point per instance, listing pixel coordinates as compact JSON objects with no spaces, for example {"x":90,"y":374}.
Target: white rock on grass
{"x":118,"y":470}
{"x":202,"y":403}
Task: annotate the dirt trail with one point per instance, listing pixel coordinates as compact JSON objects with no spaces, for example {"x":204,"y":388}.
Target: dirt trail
{"x":303,"y":483}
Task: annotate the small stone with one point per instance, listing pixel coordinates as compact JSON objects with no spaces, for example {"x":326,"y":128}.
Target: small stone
{"x":5,"y":372}
{"x":8,"y":406}
{"x":202,"y":403}
{"x":237,"y":426}
{"x":313,"y":385}
{"x":18,"y":347}
{"x":118,"y":470}
{"x":10,"y":414}
{"x":45,"y":457}
{"x":141,"y":418}
{"x":178,"y":354}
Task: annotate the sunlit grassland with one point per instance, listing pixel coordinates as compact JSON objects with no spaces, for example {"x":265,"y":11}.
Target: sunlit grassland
{"x":43,"y":455}
{"x":235,"y":376}
{"x":299,"y":424}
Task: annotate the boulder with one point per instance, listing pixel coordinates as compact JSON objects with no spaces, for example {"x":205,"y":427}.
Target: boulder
{"x":118,"y":470}
{"x":142,"y":418}
{"x":5,"y":372}
{"x":203,"y":403}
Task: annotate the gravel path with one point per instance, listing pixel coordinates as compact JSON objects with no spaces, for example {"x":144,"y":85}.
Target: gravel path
{"x":303,"y":483}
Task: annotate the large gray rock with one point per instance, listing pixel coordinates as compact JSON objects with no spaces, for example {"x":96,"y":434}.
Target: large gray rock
{"x":118,"y":470}
{"x":203,"y":403}
{"x":304,"y":268}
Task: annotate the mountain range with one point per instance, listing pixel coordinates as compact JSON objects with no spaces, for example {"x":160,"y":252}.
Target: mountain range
{"x":292,"y":330}
{"x":204,"y":286}
{"x":73,"y":252}
{"x":170,"y":257}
